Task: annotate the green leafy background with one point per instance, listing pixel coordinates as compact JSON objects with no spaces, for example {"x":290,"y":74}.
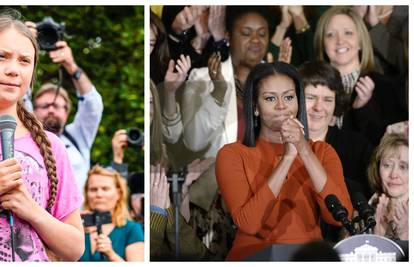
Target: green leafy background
{"x":108,"y":44}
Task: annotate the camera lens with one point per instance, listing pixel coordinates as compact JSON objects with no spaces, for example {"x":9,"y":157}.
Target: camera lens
{"x":47,"y":38}
{"x":135,"y":137}
{"x":48,"y":33}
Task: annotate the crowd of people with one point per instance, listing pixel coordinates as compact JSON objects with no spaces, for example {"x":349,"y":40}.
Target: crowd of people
{"x":257,"y":115}
{"x":264,"y":111}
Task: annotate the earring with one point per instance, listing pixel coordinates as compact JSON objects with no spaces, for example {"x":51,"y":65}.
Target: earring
{"x":256,"y":116}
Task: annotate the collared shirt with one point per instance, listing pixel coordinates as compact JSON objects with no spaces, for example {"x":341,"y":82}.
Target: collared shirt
{"x":83,"y":129}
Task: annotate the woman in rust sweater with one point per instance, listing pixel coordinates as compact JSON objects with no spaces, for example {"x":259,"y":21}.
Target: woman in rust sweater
{"x":274,"y":182}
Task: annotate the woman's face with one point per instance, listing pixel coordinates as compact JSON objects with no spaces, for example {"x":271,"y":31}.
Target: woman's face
{"x":153,"y":37}
{"x":320,"y":106}
{"x":102,"y":193}
{"x":249,"y":39}
{"x":342,"y":43}
{"x":276,"y":102}
{"x":394,"y":172}
{"x":17,"y":57}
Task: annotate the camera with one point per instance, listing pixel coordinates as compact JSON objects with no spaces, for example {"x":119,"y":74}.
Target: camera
{"x":48,"y":33}
{"x":135,"y":137}
{"x":96,"y":218}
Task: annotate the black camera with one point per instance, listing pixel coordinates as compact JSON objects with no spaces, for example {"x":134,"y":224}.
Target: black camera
{"x":135,"y":137}
{"x":96,"y":218}
{"x":48,"y":33}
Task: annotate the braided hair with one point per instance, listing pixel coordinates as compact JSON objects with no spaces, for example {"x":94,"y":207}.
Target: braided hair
{"x":42,"y":141}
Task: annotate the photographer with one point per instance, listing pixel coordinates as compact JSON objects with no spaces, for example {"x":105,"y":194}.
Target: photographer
{"x":53,"y":111}
{"x":122,"y":139}
{"x":120,"y":240}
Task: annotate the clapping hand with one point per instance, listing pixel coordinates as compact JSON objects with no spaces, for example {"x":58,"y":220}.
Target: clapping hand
{"x":173,"y":80}
{"x":364,"y":88}
{"x":160,"y":188}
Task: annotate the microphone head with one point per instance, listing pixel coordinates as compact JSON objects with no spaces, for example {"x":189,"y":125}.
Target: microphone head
{"x":338,"y":211}
{"x":365,"y":211}
{"x":7,"y":122}
{"x":331,"y":202}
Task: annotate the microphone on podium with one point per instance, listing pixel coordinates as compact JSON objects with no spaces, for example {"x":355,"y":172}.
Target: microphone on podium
{"x":339,"y":212}
{"x":365,"y":211}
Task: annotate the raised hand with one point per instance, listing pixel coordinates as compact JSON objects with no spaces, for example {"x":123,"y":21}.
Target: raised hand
{"x":285,"y":52}
{"x":174,"y":79}
{"x":63,"y":55}
{"x":286,"y":20}
{"x":295,"y":10}
{"x":371,"y":16}
{"x":364,"y":88}
{"x":214,"y":67}
{"x":185,"y":19}
{"x":381,"y":215}
{"x":32,"y":27}
{"x":401,"y":219}
{"x":361,"y":10}
{"x":398,"y":128}
{"x":159,"y":187}
{"x":201,"y":25}
{"x":119,"y":143}
{"x":216,"y":22}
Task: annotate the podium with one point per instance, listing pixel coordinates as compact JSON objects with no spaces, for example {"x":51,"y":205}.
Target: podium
{"x":370,"y":248}
{"x":357,"y":248}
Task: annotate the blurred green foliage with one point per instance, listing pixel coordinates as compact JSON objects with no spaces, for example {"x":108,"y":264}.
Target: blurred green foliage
{"x":108,"y":44}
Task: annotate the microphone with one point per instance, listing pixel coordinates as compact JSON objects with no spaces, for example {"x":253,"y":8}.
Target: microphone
{"x":339,"y":212}
{"x":7,"y":127}
{"x":365,"y":211}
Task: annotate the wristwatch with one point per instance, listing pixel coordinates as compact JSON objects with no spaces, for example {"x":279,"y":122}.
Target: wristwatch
{"x":76,"y":75}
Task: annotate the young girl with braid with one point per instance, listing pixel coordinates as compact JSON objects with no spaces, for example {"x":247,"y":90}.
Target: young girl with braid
{"x":37,"y":185}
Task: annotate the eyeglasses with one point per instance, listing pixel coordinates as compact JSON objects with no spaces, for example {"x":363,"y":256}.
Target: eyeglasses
{"x":54,"y":105}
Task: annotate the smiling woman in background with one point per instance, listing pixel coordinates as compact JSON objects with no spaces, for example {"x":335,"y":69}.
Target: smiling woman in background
{"x":122,"y":239}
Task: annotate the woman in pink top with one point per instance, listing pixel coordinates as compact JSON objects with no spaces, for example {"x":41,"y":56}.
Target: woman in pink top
{"x":37,"y":185}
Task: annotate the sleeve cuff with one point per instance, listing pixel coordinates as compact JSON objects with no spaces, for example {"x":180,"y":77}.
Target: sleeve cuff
{"x":158,"y":210}
{"x":158,"y":222}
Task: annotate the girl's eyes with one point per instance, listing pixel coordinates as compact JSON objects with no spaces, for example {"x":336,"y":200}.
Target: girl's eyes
{"x":270,"y":98}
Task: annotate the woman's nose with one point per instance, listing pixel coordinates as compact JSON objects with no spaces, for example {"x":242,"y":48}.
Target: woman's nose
{"x":280,"y":104}
{"x":318,"y":104}
{"x":394,"y":173}
{"x":339,"y":38}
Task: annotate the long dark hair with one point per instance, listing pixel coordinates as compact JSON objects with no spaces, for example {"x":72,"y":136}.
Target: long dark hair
{"x":256,"y":75}
{"x":160,"y":56}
